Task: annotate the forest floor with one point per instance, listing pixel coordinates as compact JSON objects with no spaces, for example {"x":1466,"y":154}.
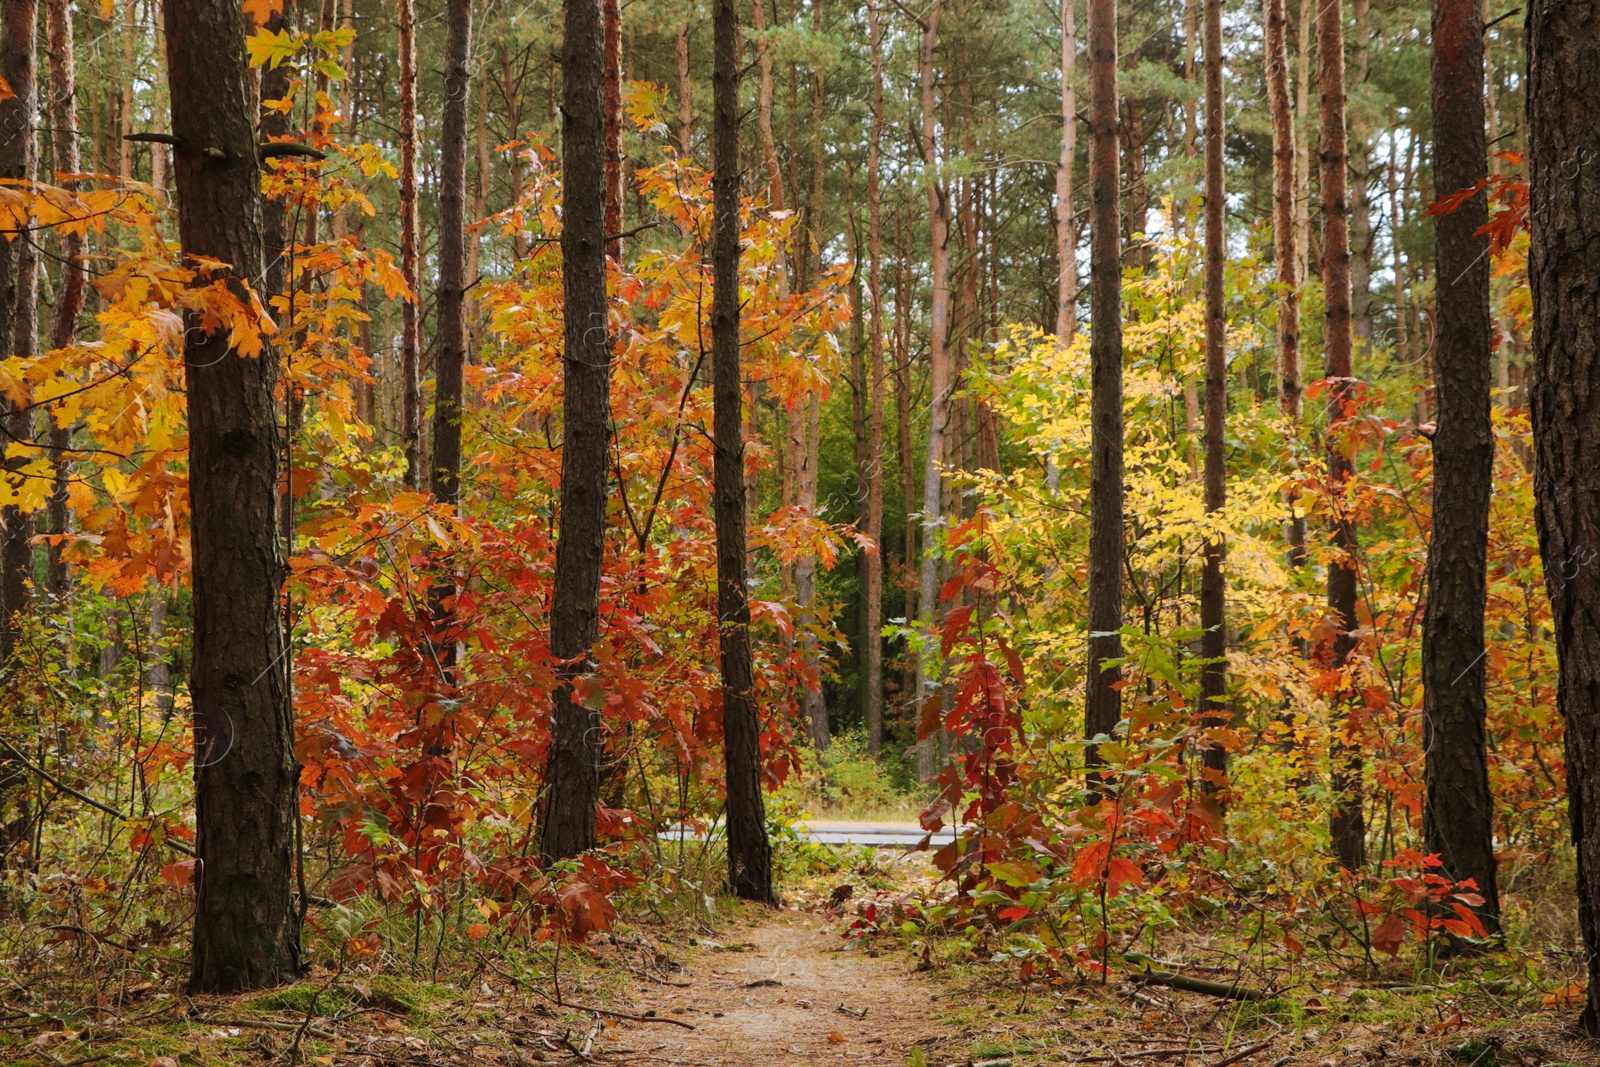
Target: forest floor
{"x":759,"y":987}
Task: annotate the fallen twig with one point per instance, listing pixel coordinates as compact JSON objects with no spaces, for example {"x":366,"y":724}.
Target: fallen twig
{"x":859,"y":1013}
{"x":1244,"y":1053}
{"x":1184,"y":982}
{"x":648,"y":977}
{"x":265,"y":1024}
{"x":1148,"y":1054}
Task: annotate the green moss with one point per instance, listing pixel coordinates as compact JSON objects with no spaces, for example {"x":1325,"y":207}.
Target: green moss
{"x":1477,"y":1053}
{"x":299,"y":998}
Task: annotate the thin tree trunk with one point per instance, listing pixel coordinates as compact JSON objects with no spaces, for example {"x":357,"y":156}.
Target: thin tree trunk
{"x":611,"y":17}
{"x":410,"y":266}
{"x":749,"y":851}
{"x":1191,"y":128}
{"x":1564,"y":272}
{"x":1348,"y":825}
{"x":806,"y":262}
{"x":130,"y":23}
{"x":1103,"y":700}
{"x":1458,"y":817}
{"x":480,"y":211}
{"x":572,"y":773}
{"x":1402,"y":313}
{"x":902,"y":413}
{"x":450,"y":336}
{"x":17,"y":338}
{"x":769,"y":147}
{"x":63,"y":113}
{"x":246,"y":928}
{"x":1302,"y":133}
{"x":1066,"y":243}
{"x":18,"y":302}
{"x":1214,"y":635}
{"x":1284,"y":246}
{"x":685,"y":95}
{"x":938,"y":372}
{"x":873,"y":704}
{"x":1359,"y":170}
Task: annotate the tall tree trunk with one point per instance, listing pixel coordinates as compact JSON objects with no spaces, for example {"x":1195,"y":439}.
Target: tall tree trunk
{"x":1402,"y":313}
{"x":410,"y":255}
{"x":685,"y":95}
{"x":18,"y":321}
{"x":1136,"y":202}
{"x":1302,"y":136}
{"x":63,"y":114}
{"x":1066,"y":235}
{"x":1458,"y":817}
{"x":1214,"y":634}
{"x":769,"y":147}
{"x":480,"y":210}
{"x":572,"y":773}
{"x":806,"y":261}
{"x":18,"y":302}
{"x":450,"y":335}
{"x":1191,"y":128}
{"x":130,"y":61}
{"x":872,"y":709}
{"x":1348,"y":825}
{"x":1284,"y":243}
{"x":611,"y":94}
{"x":1103,"y":698}
{"x":1564,"y":271}
{"x":1360,"y":173}
{"x":902,"y":417}
{"x":749,"y":851}
{"x":246,"y":928}
{"x":939,"y":385}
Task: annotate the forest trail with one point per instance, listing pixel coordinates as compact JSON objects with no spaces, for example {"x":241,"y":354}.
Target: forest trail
{"x":779,"y":997}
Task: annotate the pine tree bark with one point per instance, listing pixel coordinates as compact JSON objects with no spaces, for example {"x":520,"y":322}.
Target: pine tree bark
{"x":808,"y":261}
{"x":1564,"y":272}
{"x":749,"y":851}
{"x":1458,"y":816}
{"x":246,"y":928}
{"x":1348,"y":822}
{"x":685,"y":95}
{"x":1066,"y":235}
{"x":902,"y":423}
{"x":1302,"y":136}
{"x":18,"y":303}
{"x":63,"y":113}
{"x":873,"y":640}
{"x":450,"y":336}
{"x":611,"y":94}
{"x":1214,"y":635}
{"x":1284,"y":244}
{"x":769,"y":146}
{"x":130,"y":73}
{"x":410,"y":255}
{"x":1103,"y":700}
{"x":1359,"y":170}
{"x":480,"y":210}
{"x":939,"y":385}
{"x":572,"y":772}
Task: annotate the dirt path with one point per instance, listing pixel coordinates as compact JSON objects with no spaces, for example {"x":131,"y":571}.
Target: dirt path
{"x":775,"y":998}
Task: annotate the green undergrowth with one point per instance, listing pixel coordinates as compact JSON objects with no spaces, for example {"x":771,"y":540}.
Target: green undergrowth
{"x":846,"y":783}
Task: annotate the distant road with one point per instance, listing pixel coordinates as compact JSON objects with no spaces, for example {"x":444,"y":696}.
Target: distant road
{"x":829,"y":832}
{"x":878,"y":834}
